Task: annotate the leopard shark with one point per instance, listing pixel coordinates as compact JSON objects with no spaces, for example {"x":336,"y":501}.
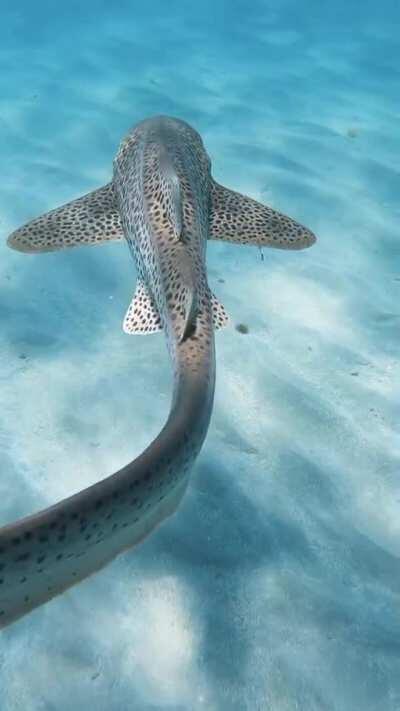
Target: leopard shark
{"x":163,"y":201}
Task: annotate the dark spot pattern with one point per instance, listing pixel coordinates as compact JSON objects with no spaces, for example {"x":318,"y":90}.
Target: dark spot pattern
{"x":164,"y":200}
{"x":240,"y":219}
{"x":91,"y":219}
{"x":142,"y":316}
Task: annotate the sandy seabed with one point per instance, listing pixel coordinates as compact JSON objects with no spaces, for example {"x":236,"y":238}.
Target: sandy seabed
{"x":276,"y":585}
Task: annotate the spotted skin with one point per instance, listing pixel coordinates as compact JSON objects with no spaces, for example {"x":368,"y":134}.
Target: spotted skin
{"x":161,"y":198}
{"x":237,"y":218}
{"x":92,"y":219}
{"x":142,"y":316}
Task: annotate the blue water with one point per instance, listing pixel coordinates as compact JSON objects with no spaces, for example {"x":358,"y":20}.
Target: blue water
{"x":276,"y":585}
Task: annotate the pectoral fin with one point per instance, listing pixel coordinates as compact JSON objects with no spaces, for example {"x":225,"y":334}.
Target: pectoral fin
{"x":91,"y":219}
{"x":237,"y":218}
{"x":142,"y":316}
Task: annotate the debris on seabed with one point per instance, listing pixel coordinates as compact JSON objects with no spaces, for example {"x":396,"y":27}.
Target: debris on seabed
{"x":242,"y":328}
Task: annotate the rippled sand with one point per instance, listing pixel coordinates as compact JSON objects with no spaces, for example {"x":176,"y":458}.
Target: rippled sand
{"x":276,"y":585}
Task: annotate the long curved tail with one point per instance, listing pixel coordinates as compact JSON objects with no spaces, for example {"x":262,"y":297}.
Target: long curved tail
{"x":46,"y":553}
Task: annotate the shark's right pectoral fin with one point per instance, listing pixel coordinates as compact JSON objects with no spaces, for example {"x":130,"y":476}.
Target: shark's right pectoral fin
{"x":91,"y":219}
{"x":142,"y":316}
{"x":240,"y":219}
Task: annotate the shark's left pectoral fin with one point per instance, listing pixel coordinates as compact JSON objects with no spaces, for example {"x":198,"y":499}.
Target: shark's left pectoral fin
{"x":240,"y":219}
{"x":142,"y":316}
{"x":91,"y":219}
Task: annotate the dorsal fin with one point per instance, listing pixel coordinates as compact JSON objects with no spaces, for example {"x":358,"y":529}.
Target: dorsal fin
{"x":91,"y":219}
{"x":238,"y":218}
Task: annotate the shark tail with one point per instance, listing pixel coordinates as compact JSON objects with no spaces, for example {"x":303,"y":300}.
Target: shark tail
{"x":46,"y":553}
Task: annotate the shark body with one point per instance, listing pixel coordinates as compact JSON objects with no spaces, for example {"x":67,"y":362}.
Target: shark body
{"x":164,"y":202}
